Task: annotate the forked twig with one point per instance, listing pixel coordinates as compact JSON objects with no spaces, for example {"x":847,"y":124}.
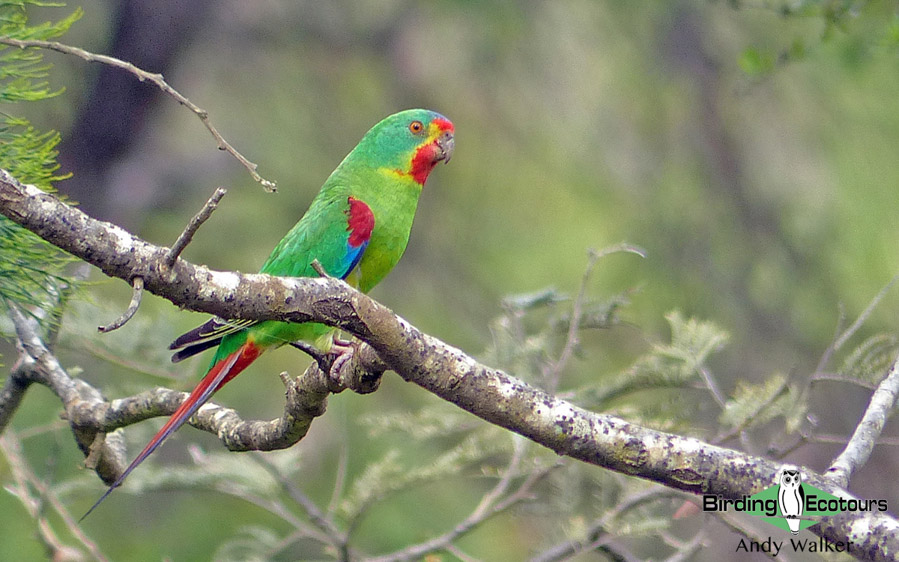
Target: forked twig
{"x":183,"y":240}
{"x":554,"y":370}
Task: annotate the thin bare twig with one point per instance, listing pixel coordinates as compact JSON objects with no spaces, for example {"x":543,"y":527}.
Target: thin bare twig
{"x":491,"y":498}
{"x":712,"y":386}
{"x":494,"y":502}
{"x":831,"y":377}
{"x":554,"y":370}
{"x":842,"y":439}
{"x":832,"y":348}
{"x":155,"y":79}
{"x":137,"y":365}
{"x":455,"y":551}
{"x":686,"y":550}
{"x":137,"y":285}
{"x":338,"y":538}
{"x":319,"y":268}
{"x":863,"y":317}
{"x":194,"y":224}
{"x":340,"y":476}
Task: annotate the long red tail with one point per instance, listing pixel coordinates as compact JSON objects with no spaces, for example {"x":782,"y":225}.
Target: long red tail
{"x":218,"y":375}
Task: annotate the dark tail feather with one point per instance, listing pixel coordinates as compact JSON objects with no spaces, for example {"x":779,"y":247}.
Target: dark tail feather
{"x":194,"y":349}
{"x":214,"y":379}
{"x":209,"y":328}
{"x":214,"y":328}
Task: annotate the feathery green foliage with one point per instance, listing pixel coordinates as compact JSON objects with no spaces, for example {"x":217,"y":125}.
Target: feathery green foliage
{"x":30,"y":269}
{"x":755,"y":404}
{"x":872,"y":358}
{"x":676,"y":364}
{"x":873,"y":26}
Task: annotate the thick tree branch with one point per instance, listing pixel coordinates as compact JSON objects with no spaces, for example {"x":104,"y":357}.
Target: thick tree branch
{"x":36,"y":364}
{"x":678,"y":462}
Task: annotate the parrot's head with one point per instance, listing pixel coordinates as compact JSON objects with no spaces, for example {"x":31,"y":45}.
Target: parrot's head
{"x":411,"y":142}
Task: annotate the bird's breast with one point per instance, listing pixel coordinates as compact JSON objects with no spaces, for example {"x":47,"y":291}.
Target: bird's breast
{"x":392,"y":224}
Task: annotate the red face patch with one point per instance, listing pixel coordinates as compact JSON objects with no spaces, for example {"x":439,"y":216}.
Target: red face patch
{"x":427,"y":156}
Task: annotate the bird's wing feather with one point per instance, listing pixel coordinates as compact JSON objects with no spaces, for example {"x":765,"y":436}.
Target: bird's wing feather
{"x":335,"y":231}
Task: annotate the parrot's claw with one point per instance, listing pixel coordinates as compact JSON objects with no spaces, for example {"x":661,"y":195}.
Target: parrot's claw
{"x":339,"y":366}
{"x":340,"y":361}
{"x":341,"y":343}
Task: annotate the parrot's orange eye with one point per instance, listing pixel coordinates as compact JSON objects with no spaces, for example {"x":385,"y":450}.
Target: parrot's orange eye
{"x":416,"y":126}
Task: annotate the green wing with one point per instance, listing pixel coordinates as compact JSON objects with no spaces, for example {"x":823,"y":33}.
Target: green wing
{"x":325,"y":234}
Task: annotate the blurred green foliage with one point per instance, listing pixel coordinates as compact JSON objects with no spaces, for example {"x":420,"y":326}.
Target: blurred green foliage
{"x":30,"y":269}
{"x":749,"y":147}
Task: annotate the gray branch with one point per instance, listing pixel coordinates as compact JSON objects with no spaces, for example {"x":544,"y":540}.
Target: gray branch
{"x":868,"y":431}
{"x":677,"y":462}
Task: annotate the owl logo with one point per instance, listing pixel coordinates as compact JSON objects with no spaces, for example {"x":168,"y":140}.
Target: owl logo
{"x":791,"y":498}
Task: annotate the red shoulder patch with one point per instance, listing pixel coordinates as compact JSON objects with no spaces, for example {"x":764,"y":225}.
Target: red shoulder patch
{"x":360,"y":222}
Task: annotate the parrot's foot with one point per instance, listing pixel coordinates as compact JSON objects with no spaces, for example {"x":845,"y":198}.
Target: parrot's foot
{"x":341,"y":343}
{"x":342,"y":366}
{"x":344,"y":353}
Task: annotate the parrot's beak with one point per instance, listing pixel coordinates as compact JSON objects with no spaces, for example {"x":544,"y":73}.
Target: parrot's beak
{"x":445,"y":142}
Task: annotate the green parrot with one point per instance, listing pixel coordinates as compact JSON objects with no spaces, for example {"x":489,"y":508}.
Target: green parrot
{"x":357,"y":228}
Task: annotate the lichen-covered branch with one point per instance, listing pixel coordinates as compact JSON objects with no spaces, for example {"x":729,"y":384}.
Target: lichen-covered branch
{"x":677,"y":462}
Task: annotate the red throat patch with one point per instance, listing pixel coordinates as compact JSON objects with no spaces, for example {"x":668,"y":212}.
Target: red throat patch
{"x":423,"y":162}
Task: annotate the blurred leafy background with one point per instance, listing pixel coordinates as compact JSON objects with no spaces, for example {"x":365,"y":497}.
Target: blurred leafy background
{"x":749,"y":147}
